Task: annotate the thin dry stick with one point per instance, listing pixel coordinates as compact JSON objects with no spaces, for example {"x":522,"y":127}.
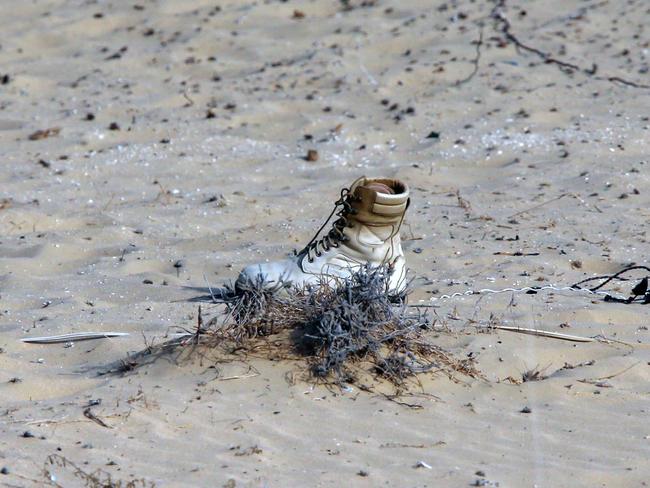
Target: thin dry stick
{"x":88,"y":414}
{"x":238,"y":377}
{"x":505,"y":27}
{"x":475,"y":61}
{"x":543,"y":333}
{"x":75,"y":336}
{"x":609,"y":377}
{"x":534,"y":207}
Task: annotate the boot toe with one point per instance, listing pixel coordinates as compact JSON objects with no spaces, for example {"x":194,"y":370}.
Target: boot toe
{"x":268,"y":274}
{"x":250,"y":274}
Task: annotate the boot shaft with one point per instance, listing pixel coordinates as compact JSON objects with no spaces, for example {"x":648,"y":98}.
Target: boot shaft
{"x":377,"y":216}
{"x":370,"y":214}
{"x":378,"y":209}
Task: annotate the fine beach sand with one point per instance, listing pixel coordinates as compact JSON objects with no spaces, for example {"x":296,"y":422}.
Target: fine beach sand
{"x":177,"y":156}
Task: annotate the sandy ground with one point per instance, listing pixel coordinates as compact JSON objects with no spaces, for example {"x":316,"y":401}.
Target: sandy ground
{"x":178,"y":157}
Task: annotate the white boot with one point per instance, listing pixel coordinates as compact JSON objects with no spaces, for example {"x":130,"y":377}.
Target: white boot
{"x":366,"y":232}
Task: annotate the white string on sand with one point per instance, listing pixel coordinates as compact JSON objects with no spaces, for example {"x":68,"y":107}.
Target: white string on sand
{"x":524,"y":289}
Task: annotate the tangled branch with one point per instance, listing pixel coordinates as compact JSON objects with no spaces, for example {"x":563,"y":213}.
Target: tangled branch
{"x":505,"y":27}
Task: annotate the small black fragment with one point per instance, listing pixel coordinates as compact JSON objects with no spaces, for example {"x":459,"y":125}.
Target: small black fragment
{"x":641,"y":288}
{"x":433,"y":135}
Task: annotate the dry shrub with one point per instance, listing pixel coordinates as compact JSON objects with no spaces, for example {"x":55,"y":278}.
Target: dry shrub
{"x":340,"y":327}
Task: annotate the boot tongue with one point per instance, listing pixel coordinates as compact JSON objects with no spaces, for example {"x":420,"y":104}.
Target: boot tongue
{"x":380,"y":188}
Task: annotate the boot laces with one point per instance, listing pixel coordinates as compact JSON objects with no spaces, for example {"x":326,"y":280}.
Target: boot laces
{"x":335,"y":235}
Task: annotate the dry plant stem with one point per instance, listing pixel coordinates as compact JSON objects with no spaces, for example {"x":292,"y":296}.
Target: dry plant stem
{"x":543,"y":333}
{"x":75,"y":336}
{"x":475,"y":61}
{"x":534,"y":207}
{"x":89,"y":415}
{"x":95,"y":479}
{"x":505,"y":27}
{"x":609,"y":377}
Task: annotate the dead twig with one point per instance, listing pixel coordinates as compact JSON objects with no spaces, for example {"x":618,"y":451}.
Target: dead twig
{"x":475,"y":61}
{"x":535,"y":207}
{"x":542,"y":333}
{"x":75,"y":336}
{"x":89,"y":415}
{"x":505,"y":27}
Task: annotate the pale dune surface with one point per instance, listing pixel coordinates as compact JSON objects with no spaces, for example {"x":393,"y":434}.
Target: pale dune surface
{"x":521,"y":173}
